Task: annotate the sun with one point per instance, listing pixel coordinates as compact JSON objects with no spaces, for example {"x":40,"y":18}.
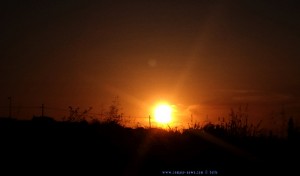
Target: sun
{"x":163,"y":113}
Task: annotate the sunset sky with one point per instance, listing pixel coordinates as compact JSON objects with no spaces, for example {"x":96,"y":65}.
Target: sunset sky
{"x":202,"y":57}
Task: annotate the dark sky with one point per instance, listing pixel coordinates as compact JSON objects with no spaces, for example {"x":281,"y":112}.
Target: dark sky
{"x":203,"y":57}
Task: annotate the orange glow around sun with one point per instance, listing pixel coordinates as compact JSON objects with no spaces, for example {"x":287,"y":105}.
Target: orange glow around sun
{"x":163,"y":113}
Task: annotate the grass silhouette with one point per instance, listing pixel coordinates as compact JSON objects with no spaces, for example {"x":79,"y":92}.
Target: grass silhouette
{"x":43,"y":145}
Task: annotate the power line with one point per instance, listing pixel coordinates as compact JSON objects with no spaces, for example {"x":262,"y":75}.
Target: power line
{"x":43,"y":108}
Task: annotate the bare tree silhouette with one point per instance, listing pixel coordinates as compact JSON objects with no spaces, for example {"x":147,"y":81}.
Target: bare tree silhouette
{"x":113,"y":115}
{"x":75,"y":115}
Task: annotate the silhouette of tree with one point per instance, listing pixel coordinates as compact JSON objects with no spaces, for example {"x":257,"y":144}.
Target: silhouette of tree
{"x":76,"y":116}
{"x":113,"y":115}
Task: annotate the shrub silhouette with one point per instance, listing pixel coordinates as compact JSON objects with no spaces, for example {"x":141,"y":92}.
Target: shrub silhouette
{"x":236,"y":126}
{"x":113,"y":115}
{"x":76,"y":116}
{"x":142,"y":151}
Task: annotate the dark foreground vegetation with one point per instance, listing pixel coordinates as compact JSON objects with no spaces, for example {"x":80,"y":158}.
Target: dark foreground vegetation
{"x":44,"y":146}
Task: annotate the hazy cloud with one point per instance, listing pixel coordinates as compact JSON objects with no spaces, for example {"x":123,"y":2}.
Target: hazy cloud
{"x":262,"y":97}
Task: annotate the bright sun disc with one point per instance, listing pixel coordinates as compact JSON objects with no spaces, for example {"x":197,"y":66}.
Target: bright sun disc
{"x":162,"y":113}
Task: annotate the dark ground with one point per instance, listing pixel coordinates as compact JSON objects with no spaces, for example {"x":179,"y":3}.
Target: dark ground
{"x":42,"y":147}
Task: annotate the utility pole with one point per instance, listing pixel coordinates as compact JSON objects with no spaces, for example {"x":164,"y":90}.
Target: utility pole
{"x":9,"y":107}
{"x":149,"y":121}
